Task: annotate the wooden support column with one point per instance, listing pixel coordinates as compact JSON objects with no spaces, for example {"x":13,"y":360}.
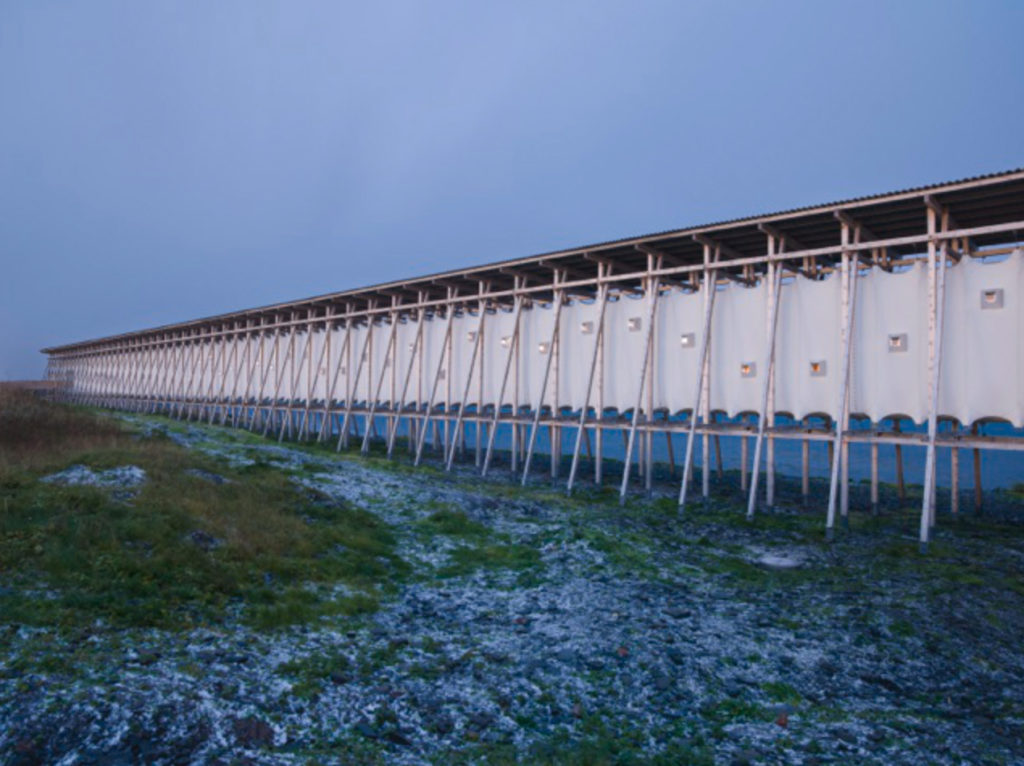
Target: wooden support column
{"x":598,"y":336}
{"x":936,"y":310}
{"x":773,"y":279}
{"x":701,"y":391}
{"x":349,"y":405}
{"x":849,"y":299}
{"x":535,"y":425}
{"x":651,"y":284}
{"x":477,"y":344}
{"x":445,"y":346}
{"x":327,"y":418}
{"x":415,"y":351}
{"x":513,"y":345}
{"x":365,"y":448}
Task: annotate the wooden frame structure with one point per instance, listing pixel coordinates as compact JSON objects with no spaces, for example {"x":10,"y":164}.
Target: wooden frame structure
{"x":318,"y":368}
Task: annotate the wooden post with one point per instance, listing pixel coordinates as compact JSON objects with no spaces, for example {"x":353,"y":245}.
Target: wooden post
{"x":449,"y":322}
{"x":598,"y":335}
{"x":417,"y":346}
{"x":849,"y":300}
{"x":513,"y":344}
{"x":544,"y":384}
{"x":874,"y":478}
{"x":700,"y":392}
{"x":354,"y":385}
{"x":365,"y":447}
{"x":936,"y":292}
{"x":477,"y":343}
{"x":975,"y":428}
{"x":901,"y":484}
{"x":773,"y":277}
{"x":653,"y":293}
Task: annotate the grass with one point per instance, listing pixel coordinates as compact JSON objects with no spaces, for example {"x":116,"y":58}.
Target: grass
{"x":79,"y":555}
{"x":447,"y":521}
{"x":310,"y":674}
{"x":514,"y":556}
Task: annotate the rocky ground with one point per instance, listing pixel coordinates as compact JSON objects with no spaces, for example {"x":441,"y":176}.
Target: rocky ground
{"x":538,"y":628}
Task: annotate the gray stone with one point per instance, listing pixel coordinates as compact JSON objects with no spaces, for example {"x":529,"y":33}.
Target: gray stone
{"x":252,"y":732}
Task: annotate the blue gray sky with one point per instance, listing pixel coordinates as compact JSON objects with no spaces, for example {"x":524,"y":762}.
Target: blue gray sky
{"x":166,"y":160}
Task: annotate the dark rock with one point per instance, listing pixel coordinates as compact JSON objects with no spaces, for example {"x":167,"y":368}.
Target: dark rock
{"x":744,"y":757}
{"x":480,"y":720}
{"x":209,"y":476}
{"x":28,"y":752}
{"x":398,"y":738}
{"x":337,"y":678}
{"x":568,"y":656}
{"x":206,"y":542}
{"x":367,"y":729}
{"x":678,"y":613}
{"x":662,"y":682}
{"x":252,"y":732}
{"x":441,"y":724}
{"x":886,"y":683}
{"x":827,"y":667}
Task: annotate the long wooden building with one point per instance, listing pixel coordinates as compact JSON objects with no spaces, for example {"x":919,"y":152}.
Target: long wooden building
{"x":792,"y":325}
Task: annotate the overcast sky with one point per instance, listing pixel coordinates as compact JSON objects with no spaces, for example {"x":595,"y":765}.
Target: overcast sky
{"x":161,"y":161}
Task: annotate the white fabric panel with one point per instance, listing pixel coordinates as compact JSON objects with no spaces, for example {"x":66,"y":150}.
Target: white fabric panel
{"x":433,"y":351}
{"x":462,"y":355}
{"x":295,"y":381}
{"x":375,"y":362}
{"x":576,"y":353}
{"x":887,"y":383}
{"x":405,"y":338}
{"x":350,"y":364}
{"x":339,"y":355}
{"x":319,"y":366}
{"x":738,"y":337}
{"x":624,"y":352}
{"x":809,"y":321}
{"x":982,"y":371}
{"x":499,"y":325}
{"x":537,"y":324}
{"x":675,"y":366}
{"x":202,"y":382}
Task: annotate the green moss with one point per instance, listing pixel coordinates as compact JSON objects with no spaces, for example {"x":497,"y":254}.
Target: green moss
{"x":184,"y":549}
{"x":310,"y":674}
{"x":778,"y":691}
{"x":470,"y":558}
{"x":452,"y":522}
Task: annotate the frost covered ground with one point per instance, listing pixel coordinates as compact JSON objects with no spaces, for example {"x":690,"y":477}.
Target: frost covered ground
{"x":537,"y":628}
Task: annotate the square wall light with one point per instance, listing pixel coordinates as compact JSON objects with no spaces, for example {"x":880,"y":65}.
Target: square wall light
{"x":506,"y":341}
{"x":818,"y":368}
{"x":587,"y":328}
{"x":634,"y":324}
{"x":898,"y":343}
{"x":992,"y":299}
{"x":688,"y":340}
{"x":748,"y":370}
{"x":471,"y":336}
{"x":543,"y":347}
